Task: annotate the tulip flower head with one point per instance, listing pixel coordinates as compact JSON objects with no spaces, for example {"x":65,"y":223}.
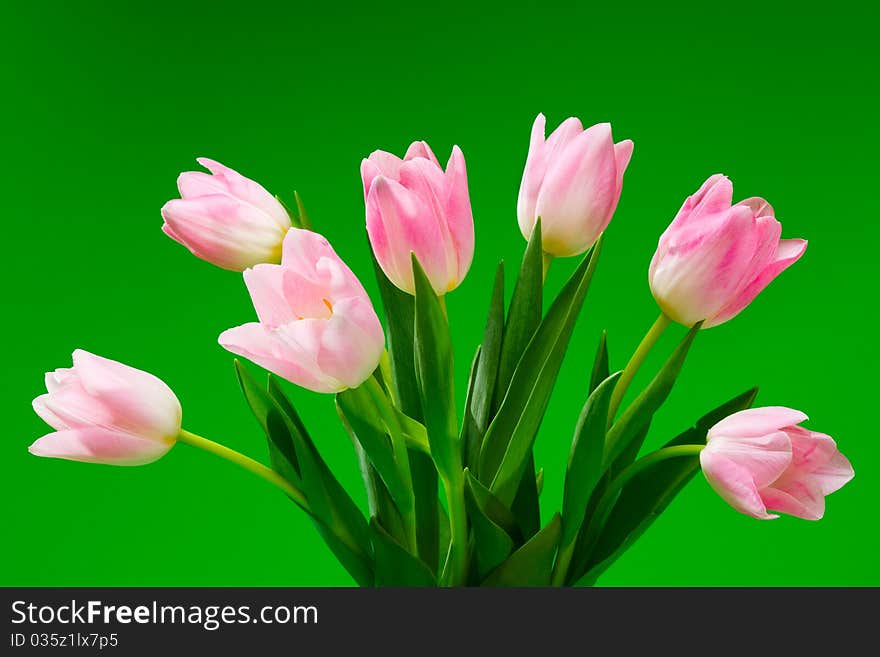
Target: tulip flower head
{"x":715,"y":257}
{"x":317,"y":327}
{"x":414,"y":206}
{"x":225,"y":218}
{"x":572,"y":181}
{"x":760,"y":460}
{"x":106,"y":412}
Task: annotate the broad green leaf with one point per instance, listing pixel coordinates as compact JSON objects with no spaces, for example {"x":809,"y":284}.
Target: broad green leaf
{"x":395,"y":566}
{"x":532,"y":564}
{"x":524,"y":314}
{"x":358,"y":408}
{"x":539,"y":481}
{"x":301,"y":214}
{"x":328,"y":500}
{"x":399,"y":324}
{"x":492,"y":507}
{"x":508,"y":441}
{"x":492,"y":544}
{"x":600,"y":364}
{"x":477,"y":412}
{"x":379,"y":501}
{"x":525,"y":505}
{"x":640,"y":412}
{"x":282,"y":454}
{"x":585,"y":458}
{"x":649,"y":492}
{"x":434,"y":374}
{"x":468,"y":427}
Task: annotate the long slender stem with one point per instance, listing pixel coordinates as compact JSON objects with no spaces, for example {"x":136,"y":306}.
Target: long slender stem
{"x":609,"y":497}
{"x":635,"y":362}
{"x":455,"y":570}
{"x":245,"y":462}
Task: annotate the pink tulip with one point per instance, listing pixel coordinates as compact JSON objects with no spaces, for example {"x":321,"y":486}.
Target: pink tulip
{"x":715,"y":257}
{"x":413,"y":206}
{"x":317,"y":326}
{"x":572,"y":181}
{"x":106,"y":412}
{"x":225,"y":218}
{"x":760,"y":459}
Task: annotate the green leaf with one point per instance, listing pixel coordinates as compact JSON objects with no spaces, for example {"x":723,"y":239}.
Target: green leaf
{"x":302,"y":215}
{"x":359,"y":409}
{"x":399,"y":322}
{"x":434,"y":373}
{"x":640,"y":412}
{"x":524,"y":315}
{"x":282,"y":454}
{"x":328,"y":500}
{"x":492,"y":543}
{"x":395,"y":566}
{"x":508,"y":441}
{"x":469,"y":436}
{"x":492,"y":507}
{"x":649,"y":492}
{"x":532,"y":564}
{"x":479,"y":406}
{"x":585,"y":458}
{"x":525,"y":504}
{"x":600,"y":364}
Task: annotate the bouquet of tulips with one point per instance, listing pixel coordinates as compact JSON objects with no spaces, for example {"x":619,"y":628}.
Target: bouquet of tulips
{"x":451,"y":482}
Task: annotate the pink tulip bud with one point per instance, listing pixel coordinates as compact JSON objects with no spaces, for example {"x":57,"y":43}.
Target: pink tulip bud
{"x":760,"y":459}
{"x":413,"y":206}
{"x":106,"y":412}
{"x":572,"y":181}
{"x":225,"y":218}
{"x":715,"y":257}
{"x":317,"y":326}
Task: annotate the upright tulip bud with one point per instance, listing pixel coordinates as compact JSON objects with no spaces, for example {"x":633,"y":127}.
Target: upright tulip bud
{"x":760,"y":459}
{"x":572,"y":181}
{"x":413,"y":206}
{"x":106,"y":412}
{"x":317,"y":326}
{"x":716,"y":257}
{"x":225,"y":218}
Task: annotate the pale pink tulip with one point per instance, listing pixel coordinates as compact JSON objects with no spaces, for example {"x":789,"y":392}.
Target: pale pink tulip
{"x":225,"y":218}
{"x":572,"y":181}
{"x":715,"y":257}
{"x":106,"y":412}
{"x":760,"y":459}
{"x":317,"y":327}
{"x":413,"y":206}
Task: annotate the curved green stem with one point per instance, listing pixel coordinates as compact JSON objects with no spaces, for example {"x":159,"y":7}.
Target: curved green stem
{"x":245,"y":462}
{"x":635,"y":362}
{"x":456,"y":567}
{"x":609,"y":497}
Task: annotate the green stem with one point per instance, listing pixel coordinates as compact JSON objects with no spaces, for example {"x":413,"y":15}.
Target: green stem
{"x":245,"y":462}
{"x":635,"y":362}
{"x":455,"y":570}
{"x":546,"y":261}
{"x":609,"y":497}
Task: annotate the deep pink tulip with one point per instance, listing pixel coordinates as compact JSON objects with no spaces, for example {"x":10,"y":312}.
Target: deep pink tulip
{"x":225,"y":218}
{"x":716,"y":257}
{"x":413,"y":206}
{"x":106,"y":412}
{"x":760,"y":459}
{"x":317,"y":326}
{"x":572,"y":181}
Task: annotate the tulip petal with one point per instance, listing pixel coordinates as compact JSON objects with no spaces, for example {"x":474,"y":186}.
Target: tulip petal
{"x":248,"y":191}
{"x":459,"y":216}
{"x":279,"y":352}
{"x":41,"y":408}
{"x":834,"y":474}
{"x":787,"y":253}
{"x":351,"y":342}
{"x":757,"y":421}
{"x":388,"y":165}
{"x":533,"y":176}
{"x":765,"y":457}
{"x":422,"y":150}
{"x":99,"y":445}
{"x":622,"y":155}
{"x":801,"y":498}
{"x":135,"y":401}
{"x":734,"y":484}
{"x":758,"y":206}
{"x":280,"y":295}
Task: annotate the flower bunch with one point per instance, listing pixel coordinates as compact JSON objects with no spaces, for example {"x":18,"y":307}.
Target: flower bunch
{"x":394,"y":385}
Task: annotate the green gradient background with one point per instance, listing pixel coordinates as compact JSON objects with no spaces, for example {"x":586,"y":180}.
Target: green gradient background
{"x":103,"y":108}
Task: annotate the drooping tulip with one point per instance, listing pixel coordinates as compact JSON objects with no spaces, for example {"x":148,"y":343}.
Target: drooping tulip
{"x":760,"y":460}
{"x":317,"y":326}
{"x":414,"y":206}
{"x":715,"y":257}
{"x":572,"y":181}
{"x":225,"y":218}
{"x":106,"y":412}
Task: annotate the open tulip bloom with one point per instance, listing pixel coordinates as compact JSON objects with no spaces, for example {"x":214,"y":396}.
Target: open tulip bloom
{"x":451,"y":479}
